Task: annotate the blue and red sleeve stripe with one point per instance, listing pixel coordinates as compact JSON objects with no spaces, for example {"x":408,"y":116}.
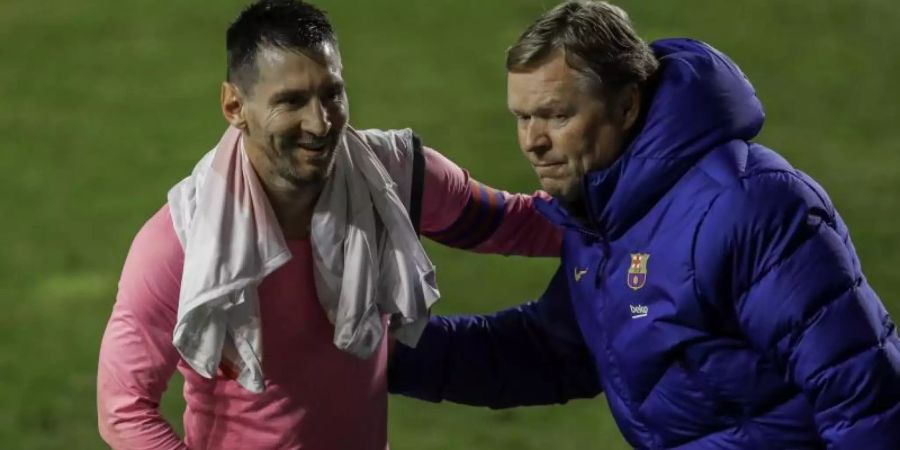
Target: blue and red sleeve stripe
{"x":478,"y":220}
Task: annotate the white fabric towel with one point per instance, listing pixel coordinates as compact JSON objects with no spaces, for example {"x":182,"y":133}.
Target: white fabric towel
{"x":368,"y":260}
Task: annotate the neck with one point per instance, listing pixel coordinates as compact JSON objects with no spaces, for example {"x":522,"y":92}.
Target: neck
{"x":293,"y":206}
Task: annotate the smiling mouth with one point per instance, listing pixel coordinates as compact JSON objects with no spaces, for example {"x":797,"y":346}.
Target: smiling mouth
{"x":313,"y":146}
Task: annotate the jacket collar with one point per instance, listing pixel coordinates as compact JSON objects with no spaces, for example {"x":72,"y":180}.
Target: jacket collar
{"x":701,"y":101}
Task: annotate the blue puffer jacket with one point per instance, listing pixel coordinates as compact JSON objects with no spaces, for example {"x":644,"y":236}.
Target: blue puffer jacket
{"x":712,"y":293}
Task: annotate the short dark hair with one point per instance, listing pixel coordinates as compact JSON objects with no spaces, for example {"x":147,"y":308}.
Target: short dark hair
{"x":285,"y":24}
{"x":597,"y":39}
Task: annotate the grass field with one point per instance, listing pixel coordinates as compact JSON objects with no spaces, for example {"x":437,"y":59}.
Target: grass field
{"x":107,"y":104}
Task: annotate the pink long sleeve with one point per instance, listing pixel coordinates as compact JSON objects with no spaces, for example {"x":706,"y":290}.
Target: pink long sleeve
{"x":137,"y":358}
{"x":460,"y":212}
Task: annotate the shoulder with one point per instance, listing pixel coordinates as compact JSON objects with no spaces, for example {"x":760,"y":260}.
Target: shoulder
{"x":157,"y":239}
{"x":772,"y":197}
{"x":401,"y":154}
{"x":761,"y":216}
{"x":391,"y":146}
{"x":155,"y":260}
{"x":756,"y":186}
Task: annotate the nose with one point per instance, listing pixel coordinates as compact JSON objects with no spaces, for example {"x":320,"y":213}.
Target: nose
{"x":534,"y":137}
{"x":316,"y":120}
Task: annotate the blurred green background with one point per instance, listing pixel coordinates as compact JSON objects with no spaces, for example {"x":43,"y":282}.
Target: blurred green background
{"x":105,"y":105}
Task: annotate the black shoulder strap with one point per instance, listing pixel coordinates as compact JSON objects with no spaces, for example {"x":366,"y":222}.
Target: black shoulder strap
{"x":418,"y":181}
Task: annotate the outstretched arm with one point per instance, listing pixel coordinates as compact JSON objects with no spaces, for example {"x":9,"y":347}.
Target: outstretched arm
{"x":460,"y":212}
{"x":532,"y":354}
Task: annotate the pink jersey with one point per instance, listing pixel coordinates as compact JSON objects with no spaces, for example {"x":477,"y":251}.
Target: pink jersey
{"x":316,"y":396}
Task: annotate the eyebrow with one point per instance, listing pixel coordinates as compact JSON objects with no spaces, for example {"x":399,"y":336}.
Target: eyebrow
{"x":542,"y":109}
{"x":287,"y":95}
{"x":293,"y":94}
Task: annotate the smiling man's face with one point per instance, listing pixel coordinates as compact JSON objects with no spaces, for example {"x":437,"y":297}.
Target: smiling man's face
{"x":295,"y":114}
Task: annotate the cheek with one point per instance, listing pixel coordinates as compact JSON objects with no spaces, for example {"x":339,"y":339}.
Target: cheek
{"x":520,"y":135}
{"x":607,"y":145}
{"x":592,"y":142}
{"x":571,"y":141}
{"x":280,"y":120}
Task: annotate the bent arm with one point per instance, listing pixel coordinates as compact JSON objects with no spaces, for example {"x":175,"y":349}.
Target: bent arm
{"x":137,"y":357}
{"x":801,"y":298}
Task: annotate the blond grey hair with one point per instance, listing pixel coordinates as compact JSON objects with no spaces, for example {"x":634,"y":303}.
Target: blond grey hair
{"x":597,"y":39}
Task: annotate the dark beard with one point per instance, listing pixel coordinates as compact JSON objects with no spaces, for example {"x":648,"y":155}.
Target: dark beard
{"x":288,"y":170}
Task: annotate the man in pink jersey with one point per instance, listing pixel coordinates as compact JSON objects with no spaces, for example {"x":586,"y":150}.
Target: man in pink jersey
{"x":285,"y":94}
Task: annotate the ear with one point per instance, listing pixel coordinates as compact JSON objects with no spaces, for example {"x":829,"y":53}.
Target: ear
{"x":232,"y":101}
{"x":629,"y":105}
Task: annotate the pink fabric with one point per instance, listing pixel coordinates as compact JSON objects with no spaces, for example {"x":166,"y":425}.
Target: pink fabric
{"x":523,"y":231}
{"x":316,"y":395}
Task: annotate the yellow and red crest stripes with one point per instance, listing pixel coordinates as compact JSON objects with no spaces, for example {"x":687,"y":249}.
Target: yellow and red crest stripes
{"x":637,"y":271}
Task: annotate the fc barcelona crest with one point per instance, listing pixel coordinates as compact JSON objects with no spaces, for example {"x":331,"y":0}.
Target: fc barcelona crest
{"x":637,"y":271}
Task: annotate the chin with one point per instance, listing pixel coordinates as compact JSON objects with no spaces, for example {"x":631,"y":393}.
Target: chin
{"x":567,"y":194}
{"x":555,"y":187}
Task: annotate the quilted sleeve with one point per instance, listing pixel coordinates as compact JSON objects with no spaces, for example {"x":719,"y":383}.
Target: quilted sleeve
{"x":775,"y":255}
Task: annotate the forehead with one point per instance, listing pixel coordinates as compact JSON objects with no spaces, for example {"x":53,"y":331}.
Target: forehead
{"x":283,"y":68}
{"x":552,"y":81}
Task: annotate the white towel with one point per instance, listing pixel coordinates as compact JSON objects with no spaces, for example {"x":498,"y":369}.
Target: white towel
{"x":367,"y":258}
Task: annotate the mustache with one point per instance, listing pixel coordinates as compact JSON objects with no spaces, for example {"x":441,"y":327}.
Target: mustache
{"x":310,"y":140}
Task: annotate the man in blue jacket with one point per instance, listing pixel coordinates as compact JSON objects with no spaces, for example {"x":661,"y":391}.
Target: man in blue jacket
{"x":707,"y":287}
